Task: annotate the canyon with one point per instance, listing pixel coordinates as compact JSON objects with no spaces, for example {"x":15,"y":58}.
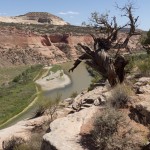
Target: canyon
{"x":24,"y":44}
{"x":30,"y":44}
{"x":19,"y":47}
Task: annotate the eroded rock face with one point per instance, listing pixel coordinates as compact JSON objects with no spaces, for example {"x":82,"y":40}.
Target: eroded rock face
{"x":31,"y":45}
{"x":140,"y":110}
{"x":65,"y":132}
{"x":24,"y":47}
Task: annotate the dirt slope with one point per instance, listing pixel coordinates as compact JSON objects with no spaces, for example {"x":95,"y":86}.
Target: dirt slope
{"x":34,"y":18}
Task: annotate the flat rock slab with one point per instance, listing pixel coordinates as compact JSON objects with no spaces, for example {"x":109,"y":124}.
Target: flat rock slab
{"x":65,"y":132}
{"x":22,"y":129}
{"x":91,"y":95}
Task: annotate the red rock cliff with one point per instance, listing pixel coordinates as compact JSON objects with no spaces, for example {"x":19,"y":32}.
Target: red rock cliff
{"x":23,"y":47}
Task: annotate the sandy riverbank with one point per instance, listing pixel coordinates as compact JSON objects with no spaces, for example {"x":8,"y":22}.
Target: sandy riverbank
{"x":53,"y":80}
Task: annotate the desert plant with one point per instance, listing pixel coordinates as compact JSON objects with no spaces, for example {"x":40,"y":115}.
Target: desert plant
{"x":39,"y":111}
{"x":110,"y":132}
{"x":109,"y":67}
{"x":47,"y":105}
{"x":96,"y":77}
{"x":138,"y":63}
{"x":13,"y":143}
{"x":144,"y":67}
{"x":34,"y":143}
{"x":74,"y":94}
{"x":146,"y":39}
{"x":120,"y":96}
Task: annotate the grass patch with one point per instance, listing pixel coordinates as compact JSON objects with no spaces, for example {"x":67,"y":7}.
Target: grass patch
{"x":18,"y":94}
{"x":96,"y":77}
{"x":43,"y":29}
{"x":140,"y":64}
{"x":74,"y":94}
{"x":144,"y":67}
{"x":41,"y":73}
{"x":8,"y":73}
{"x":55,"y":68}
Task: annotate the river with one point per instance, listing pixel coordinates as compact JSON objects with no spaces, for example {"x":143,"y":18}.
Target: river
{"x":80,"y":80}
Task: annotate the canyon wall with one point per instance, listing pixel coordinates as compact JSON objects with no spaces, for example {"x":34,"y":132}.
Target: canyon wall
{"x":25,"y":47}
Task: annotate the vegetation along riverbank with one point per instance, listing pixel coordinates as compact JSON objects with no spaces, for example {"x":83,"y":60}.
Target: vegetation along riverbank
{"x":17,"y":94}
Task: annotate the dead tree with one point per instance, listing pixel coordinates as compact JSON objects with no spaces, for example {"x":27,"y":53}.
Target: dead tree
{"x":111,"y":68}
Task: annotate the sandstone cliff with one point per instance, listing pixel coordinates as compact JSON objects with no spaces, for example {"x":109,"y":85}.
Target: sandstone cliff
{"x":46,"y":44}
{"x":26,"y":47}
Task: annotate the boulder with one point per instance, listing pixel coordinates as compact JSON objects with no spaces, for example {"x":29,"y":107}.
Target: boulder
{"x":76,"y":106}
{"x":90,"y":96}
{"x":139,"y":90}
{"x":65,"y":132}
{"x":68,"y":101}
{"x":99,"y":101}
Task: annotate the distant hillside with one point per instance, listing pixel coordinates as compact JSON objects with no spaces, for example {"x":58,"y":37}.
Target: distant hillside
{"x":35,"y":18}
{"x":127,"y":30}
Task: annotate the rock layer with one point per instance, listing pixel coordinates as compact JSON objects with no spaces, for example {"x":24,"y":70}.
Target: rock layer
{"x":24,"y":47}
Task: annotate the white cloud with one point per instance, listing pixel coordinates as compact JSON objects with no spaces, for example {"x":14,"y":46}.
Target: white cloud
{"x":69,"y":13}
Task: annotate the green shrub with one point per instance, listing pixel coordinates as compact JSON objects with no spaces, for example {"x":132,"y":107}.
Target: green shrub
{"x":144,"y":67}
{"x":96,"y":77}
{"x":55,"y":68}
{"x":145,"y":38}
{"x":140,"y":64}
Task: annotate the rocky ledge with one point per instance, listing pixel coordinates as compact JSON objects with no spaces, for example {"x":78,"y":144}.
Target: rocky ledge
{"x":78,"y":115}
{"x":68,"y":128}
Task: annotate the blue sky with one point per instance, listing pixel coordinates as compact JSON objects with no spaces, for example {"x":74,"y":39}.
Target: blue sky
{"x":75,"y":12}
